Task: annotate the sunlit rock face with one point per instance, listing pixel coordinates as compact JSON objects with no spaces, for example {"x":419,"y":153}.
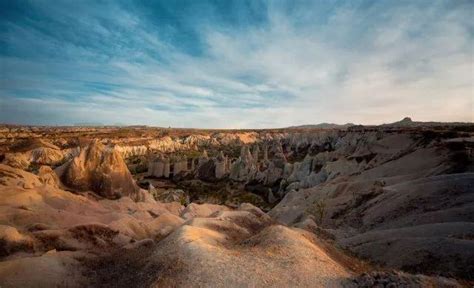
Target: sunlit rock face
{"x":100,"y":169}
{"x":16,"y":160}
{"x":47,"y":156}
{"x":48,"y":176}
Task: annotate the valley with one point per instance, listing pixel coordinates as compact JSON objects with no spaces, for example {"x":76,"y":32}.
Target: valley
{"x":355,"y":206}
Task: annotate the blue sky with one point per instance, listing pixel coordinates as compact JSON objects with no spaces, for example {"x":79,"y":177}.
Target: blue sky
{"x":235,"y":64}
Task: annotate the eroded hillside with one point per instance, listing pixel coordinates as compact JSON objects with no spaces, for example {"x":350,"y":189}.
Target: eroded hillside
{"x":150,"y":207}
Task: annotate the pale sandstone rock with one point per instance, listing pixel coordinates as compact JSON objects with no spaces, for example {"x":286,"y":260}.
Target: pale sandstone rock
{"x":47,"y":156}
{"x":47,"y":176}
{"x":156,"y":167}
{"x":102,"y":170}
{"x":16,"y":160}
{"x":221,"y":164}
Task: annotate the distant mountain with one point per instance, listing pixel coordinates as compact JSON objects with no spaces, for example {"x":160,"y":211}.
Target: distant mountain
{"x":322,"y":126}
{"x":405,"y":122}
{"x":408,"y":122}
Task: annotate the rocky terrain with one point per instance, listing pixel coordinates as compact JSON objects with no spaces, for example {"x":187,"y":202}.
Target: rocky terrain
{"x":309,"y":206}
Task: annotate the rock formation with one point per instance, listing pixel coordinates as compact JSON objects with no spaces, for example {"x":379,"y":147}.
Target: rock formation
{"x":180,"y":165}
{"x":17,"y":160}
{"x":206,"y":169}
{"x":221,"y":165}
{"x":255,"y":153}
{"x":48,"y":176}
{"x":156,"y":167}
{"x":212,"y":168}
{"x":45,"y":229}
{"x":169,"y":195}
{"x":203,"y":158}
{"x":265,"y":152}
{"x":47,"y":156}
{"x":389,"y":192}
{"x":102,"y":170}
{"x":161,"y":166}
{"x":166,"y":168}
{"x":245,"y":167}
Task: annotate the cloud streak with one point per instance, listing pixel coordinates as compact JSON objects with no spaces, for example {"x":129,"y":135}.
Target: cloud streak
{"x":268,"y":64}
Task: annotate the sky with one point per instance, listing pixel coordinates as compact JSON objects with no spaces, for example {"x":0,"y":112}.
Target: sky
{"x":235,"y":64}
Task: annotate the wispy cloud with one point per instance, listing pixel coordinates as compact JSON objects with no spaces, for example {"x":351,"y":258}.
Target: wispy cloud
{"x":266,"y":64}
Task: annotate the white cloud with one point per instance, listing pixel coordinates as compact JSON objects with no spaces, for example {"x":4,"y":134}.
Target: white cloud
{"x":410,"y":61}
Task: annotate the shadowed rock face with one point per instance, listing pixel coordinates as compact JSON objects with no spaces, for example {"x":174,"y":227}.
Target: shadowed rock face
{"x":402,"y":207}
{"x":206,"y":171}
{"x":102,"y":170}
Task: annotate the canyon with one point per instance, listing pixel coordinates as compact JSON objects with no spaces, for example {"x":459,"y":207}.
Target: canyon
{"x":311,"y":206}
